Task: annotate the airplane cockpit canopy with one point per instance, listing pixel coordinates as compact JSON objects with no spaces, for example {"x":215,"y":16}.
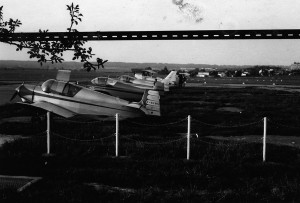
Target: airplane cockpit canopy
{"x":103,"y":81}
{"x":111,"y":82}
{"x":126,"y":78}
{"x":99,"y":81}
{"x":60,"y":87}
{"x":148,"y":73}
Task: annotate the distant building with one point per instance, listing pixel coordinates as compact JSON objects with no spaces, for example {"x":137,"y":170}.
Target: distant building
{"x":244,"y":74}
{"x":221,"y":74}
{"x":186,"y":69}
{"x":202,"y":74}
{"x":295,"y":66}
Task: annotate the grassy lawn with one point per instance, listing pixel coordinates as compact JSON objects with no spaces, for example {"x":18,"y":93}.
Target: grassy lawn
{"x":152,"y":166}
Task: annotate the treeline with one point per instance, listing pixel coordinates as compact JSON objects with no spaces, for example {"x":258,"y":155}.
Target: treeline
{"x":77,"y":65}
{"x":253,"y":71}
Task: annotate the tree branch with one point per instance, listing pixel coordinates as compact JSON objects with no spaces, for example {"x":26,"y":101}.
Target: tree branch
{"x":52,"y":52}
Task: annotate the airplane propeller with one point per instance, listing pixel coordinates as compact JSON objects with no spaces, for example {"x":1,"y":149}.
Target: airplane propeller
{"x":14,"y":95}
{"x":16,"y":92}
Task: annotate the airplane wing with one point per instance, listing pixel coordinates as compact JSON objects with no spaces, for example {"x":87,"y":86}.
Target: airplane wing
{"x":52,"y":108}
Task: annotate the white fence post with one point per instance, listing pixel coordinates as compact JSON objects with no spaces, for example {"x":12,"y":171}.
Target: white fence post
{"x":188,"y":138}
{"x":117,"y":134}
{"x":48,"y":132}
{"x":264,"y":139}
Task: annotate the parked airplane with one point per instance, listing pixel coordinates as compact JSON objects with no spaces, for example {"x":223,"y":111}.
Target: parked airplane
{"x":117,"y":88}
{"x":147,"y":75}
{"x":144,"y":84}
{"x":130,"y":88}
{"x":66,"y":99}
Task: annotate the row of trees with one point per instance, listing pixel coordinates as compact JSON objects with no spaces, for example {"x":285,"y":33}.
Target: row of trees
{"x":254,"y":71}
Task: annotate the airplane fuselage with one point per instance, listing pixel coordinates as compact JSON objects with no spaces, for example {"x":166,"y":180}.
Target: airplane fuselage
{"x":80,"y":100}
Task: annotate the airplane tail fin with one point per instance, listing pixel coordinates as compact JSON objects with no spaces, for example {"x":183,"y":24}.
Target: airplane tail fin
{"x":171,"y":78}
{"x":151,"y":102}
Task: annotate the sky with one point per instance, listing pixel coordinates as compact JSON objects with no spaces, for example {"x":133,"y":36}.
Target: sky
{"x":138,"y":15}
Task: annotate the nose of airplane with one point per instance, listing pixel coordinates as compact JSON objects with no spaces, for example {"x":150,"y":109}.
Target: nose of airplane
{"x":25,"y":92}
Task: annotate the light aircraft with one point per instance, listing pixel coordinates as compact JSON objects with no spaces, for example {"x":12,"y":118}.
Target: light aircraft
{"x":147,"y":75}
{"x":130,"y":84}
{"x":144,"y":84}
{"x":119,"y":89}
{"x":129,"y":88}
{"x":68,"y":100}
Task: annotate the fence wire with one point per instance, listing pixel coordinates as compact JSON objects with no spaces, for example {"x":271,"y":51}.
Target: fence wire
{"x":135,"y":138}
{"x":155,"y":143}
{"x":80,"y":122}
{"x":227,"y":126}
{"x":40,"y":134}
{"x":35,"y":135}
{"x":82,"y":140}
{"x":156,"y":125}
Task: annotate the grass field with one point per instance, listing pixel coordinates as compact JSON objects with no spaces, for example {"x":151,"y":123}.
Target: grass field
{"x":153,"y":166}
{"x":38,"y":75}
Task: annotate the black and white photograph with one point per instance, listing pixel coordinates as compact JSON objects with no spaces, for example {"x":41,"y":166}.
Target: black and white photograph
{"x":149,"y":101}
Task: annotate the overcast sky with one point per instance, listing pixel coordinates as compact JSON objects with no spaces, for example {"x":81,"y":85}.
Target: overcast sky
{"x":127,"y":15}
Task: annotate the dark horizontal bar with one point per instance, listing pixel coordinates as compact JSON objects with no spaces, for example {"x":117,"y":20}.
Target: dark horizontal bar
{"x":155,"y":35}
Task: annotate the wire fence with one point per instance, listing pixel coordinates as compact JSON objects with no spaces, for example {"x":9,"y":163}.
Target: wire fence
{"x":82,"y":140}
{"x":89,"y":132}
{"x":228,"y":126}
{"x":156,"y":143}
{"x":157,"y":125}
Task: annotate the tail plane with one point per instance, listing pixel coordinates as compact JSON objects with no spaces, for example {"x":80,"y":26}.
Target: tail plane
{"x":151,"y":102}
{"x":171,"y":79}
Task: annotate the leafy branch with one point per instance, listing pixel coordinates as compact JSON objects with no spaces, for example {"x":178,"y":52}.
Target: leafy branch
{"x":8,"y":26}
{"x":45,"y":51}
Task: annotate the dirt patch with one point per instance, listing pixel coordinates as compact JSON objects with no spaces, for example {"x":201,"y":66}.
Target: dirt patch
{"x":291,"y":141}
{"x":9,"y":138}
{"x":291,"y":89}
